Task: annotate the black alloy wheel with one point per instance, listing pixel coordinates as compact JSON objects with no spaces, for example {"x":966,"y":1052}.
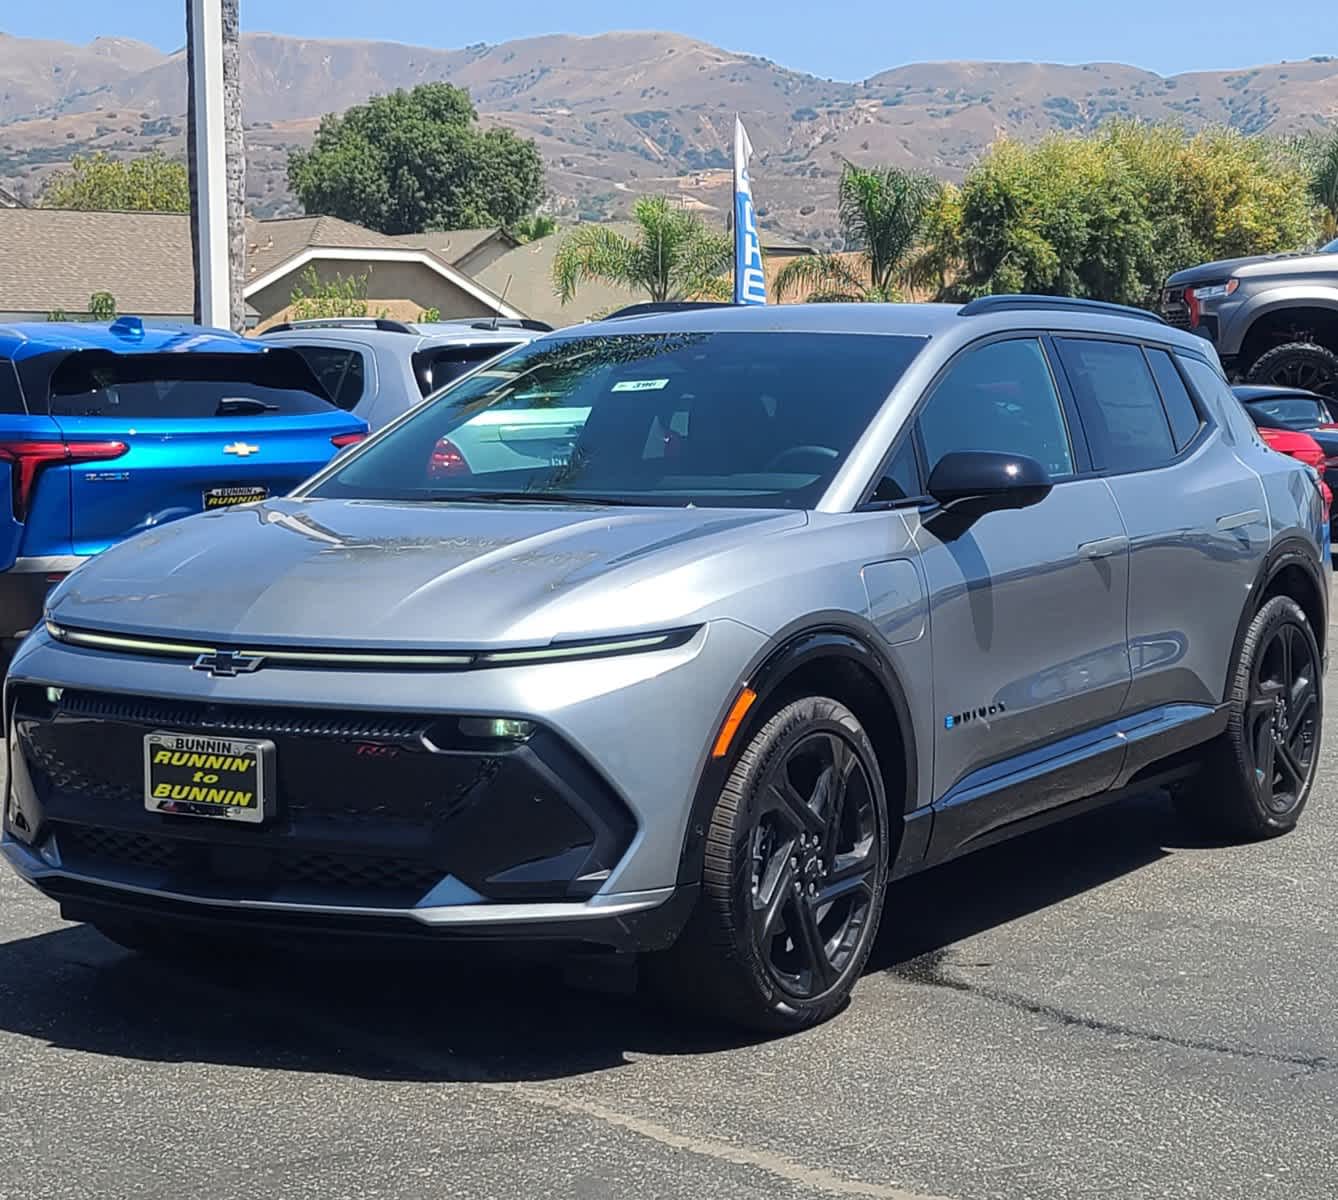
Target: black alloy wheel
{"x":1255,"y":779}
{"x":1282,"y":728}
{"x":1302,"y":366}
{"x":794,"y":875}
{"x":814,"y":850}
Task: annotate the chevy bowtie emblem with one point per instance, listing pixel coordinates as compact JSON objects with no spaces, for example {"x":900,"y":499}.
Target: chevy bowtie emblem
{"x":228,"y":662}
{"x":241,"y":449}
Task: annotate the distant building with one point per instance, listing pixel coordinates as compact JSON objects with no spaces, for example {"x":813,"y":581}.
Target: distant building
{"x":56,"y":259}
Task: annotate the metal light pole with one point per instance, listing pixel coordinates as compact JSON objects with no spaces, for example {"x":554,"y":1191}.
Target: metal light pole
{"x":209,"y":190}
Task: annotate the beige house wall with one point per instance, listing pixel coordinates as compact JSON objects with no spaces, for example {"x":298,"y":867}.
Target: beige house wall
{"x":386,"y":281}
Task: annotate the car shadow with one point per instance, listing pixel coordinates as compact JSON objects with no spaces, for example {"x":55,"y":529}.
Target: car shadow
{"x":461,"y":1020}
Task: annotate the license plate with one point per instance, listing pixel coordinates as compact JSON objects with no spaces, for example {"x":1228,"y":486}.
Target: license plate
{"x":194,"y":776}
{"x":227,"y":497}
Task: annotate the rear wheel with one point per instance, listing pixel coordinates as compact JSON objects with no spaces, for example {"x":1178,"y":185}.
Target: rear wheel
{"x":1301,"y":365}
{"x":795,"y":873}
{"x":1258,"y":776}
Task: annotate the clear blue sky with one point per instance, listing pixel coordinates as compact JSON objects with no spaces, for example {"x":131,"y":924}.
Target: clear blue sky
{"x":845,"y":39}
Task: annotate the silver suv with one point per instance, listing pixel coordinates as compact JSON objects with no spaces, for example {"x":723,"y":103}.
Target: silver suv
{"x":377,"y":368}
{"x":810,"y":598}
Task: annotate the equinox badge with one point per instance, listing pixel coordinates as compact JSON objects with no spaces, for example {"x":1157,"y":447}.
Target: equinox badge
{"x":227,"y":663}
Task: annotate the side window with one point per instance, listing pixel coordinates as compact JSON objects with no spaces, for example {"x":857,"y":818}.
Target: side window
{"x":1126,"y":425}
{"x":1184,"y":417}
{"x":901,"y":480}
{"x":1000,"y":397}
{"x":1216,"y":396}
{"x":342,"y":373}
{"x":11,"y":396}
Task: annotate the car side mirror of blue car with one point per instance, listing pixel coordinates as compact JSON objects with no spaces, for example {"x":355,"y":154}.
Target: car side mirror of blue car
{"x":980,"y":481}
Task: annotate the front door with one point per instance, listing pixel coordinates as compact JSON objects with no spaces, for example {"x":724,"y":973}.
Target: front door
{"x":1027,"y":608}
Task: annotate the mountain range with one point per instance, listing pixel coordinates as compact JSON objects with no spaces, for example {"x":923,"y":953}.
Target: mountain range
{"x":625,"y":113}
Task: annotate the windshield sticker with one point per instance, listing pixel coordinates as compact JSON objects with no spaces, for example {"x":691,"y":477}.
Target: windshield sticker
{"x":641,"y":385}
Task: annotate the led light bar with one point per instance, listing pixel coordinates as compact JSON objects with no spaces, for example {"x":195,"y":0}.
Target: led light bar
{"x":565,"y":652}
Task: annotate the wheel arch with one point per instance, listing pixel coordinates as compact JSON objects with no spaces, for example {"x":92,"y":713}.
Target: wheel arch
{"x":1273,"y":316}
{"x":833,"y":654}
{"x":1289,"y":569}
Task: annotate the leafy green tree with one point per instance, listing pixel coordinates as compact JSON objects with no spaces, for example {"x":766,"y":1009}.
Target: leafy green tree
{"x":415,"y":160}
{"x":151,"y":183}
{"x":1110,"y":215}
{"x":531,"y":229}
{"x":102,"y":306}
{"x":343,"y":296}
{"x":883,"y":211}
{"x":675,"y":255}
{"x":1319,"y":153}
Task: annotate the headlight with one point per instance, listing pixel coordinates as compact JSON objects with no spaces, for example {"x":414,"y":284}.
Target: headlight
{"x":1216,"y":291}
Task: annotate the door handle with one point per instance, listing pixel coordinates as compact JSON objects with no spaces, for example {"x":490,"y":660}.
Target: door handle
{"x":1239,"y":520}
{"x":1104,"y":547}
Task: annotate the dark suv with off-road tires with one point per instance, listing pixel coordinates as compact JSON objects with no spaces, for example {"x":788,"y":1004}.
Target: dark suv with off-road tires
{"x":793,"y":602}
{"x":1273,"y":319}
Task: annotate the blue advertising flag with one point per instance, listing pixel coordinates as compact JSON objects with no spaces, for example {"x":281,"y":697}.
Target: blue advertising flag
{"x":750,"y":281}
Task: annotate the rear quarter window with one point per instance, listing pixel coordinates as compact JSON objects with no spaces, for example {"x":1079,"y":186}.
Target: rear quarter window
{"x":438,"y":366}
{"x":342,"y":373}
{"x":98,"y":383}
{"x":11,"y":395}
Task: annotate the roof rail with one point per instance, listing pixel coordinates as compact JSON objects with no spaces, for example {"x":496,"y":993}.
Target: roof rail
{"x":992,"y":304}
{"x":382,"y":323}
{"x":497,"y":323}
{"x":665,"y":306}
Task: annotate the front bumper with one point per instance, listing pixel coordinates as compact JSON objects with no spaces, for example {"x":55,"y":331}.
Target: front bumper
{"x":576,"y":835}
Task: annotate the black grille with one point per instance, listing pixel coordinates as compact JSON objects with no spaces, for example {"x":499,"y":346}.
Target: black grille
{"x":92,"y":847}
{"x":264,"y":722}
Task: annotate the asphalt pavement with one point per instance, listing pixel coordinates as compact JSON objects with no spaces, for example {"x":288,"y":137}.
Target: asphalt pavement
{"x":1102,"y":1009}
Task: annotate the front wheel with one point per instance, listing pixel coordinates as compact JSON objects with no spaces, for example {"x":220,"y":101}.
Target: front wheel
{"x":1258,"y":776}
{"x":795,"y":874}
{"x":1300,"y":365}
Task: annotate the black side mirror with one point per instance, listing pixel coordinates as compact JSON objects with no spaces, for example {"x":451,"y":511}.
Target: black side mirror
{"x":980,"y":481}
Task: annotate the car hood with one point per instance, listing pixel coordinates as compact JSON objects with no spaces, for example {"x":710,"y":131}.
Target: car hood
{"x":360,"y":573}
{"x":1219,"y":272}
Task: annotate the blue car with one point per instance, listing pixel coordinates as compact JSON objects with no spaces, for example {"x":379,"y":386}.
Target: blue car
{"x":109,"y":430}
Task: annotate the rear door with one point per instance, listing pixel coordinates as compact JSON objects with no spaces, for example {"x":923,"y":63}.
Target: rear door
{"x":1197,"y":523}
{"x":200,"y":431}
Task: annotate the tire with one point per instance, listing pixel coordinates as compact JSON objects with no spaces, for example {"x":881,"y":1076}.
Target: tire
{"x":786,"y":919}
{"x":1301,"y":365}
{"x":1258,"y":775}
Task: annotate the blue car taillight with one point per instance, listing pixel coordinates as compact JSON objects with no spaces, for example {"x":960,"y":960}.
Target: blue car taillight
{"x":28,"y":459}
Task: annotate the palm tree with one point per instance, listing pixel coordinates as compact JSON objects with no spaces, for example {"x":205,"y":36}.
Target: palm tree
{"x":1321,"y":153}
{"x":883,"y":212}
{"x":675,"y":255}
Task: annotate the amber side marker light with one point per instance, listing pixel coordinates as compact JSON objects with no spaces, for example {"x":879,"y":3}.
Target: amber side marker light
{"x":737,"y":712}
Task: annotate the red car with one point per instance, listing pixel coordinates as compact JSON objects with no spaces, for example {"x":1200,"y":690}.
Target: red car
{"x":1303,"y":448}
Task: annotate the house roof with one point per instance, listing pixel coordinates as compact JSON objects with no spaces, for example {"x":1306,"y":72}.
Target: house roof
{"x":453,"y":245}
{"x":56,"y":259}
{"x":9,"y":200}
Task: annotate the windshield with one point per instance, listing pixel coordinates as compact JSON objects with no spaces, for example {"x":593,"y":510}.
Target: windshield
{"x":737,"y":419}
{"x":1293,"y":412}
